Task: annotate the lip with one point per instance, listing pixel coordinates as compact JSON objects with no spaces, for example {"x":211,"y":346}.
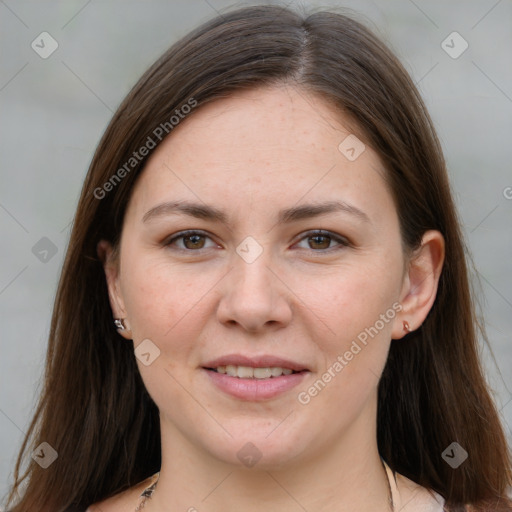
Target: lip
{"x":263,"y":361}
{"x":254,"y":389}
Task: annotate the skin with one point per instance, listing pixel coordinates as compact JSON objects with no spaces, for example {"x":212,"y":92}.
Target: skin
{"x":306,"y":299}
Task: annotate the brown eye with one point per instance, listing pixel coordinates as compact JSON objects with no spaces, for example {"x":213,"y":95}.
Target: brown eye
{"x":319,"y":241}
{"x":193,"y":241}
{"x":189,"y":241}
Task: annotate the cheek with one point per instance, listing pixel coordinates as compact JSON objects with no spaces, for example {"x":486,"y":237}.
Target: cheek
{"x":354,"y":309}
{"x":161,"y":298}
{"x":164,"y":305}
{"x":358,"y":307}
{"x":350,"y":299}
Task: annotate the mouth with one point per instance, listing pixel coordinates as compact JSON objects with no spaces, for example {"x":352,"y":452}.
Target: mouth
{"x":254,"y":379}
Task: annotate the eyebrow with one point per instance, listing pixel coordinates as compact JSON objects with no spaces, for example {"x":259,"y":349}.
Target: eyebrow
{"x":288,"y":215}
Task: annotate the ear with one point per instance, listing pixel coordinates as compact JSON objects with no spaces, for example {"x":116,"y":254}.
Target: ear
{"x":420,"y":283}
{"x":111,"y":267}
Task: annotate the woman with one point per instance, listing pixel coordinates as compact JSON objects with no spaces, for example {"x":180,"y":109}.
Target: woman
{"x":265,"y":298}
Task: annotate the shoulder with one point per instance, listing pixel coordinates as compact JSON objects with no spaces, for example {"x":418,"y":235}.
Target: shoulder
{"x":408,"y":496}
{"x":416,"y":498}
{"x":125,"y":501}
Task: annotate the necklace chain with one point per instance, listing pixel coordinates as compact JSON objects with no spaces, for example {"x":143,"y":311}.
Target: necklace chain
{"x":147,"y":493}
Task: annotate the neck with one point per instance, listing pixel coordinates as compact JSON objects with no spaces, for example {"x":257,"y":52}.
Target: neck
{"x":346,"y":476}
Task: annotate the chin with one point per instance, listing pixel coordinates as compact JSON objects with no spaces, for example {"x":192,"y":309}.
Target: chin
{"x":258,"y":452}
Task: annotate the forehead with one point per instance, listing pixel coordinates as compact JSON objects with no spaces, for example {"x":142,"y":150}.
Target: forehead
{"x":271,"y":144}
{"x":264,"y":120}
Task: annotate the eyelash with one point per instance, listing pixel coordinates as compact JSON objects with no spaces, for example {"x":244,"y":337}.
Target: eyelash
{"x":309,"y":234}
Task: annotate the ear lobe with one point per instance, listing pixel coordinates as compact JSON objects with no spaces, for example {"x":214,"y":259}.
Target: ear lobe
{"x":420,"y":284}
{"x":111,"y":267}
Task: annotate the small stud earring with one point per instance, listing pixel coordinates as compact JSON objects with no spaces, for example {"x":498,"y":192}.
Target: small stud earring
{"x":119,"y":323}
{"x":406,"y":327}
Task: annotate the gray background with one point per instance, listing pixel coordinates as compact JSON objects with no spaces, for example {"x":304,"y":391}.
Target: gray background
{"x":54,"y":110}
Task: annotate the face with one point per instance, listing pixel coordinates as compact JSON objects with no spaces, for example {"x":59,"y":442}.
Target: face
{"x":294,"y":262}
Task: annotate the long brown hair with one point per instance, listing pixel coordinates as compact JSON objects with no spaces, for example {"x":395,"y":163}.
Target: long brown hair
{"x":94,"y":409}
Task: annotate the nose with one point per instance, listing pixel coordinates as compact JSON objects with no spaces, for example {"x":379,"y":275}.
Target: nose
{"x":254,"y":296}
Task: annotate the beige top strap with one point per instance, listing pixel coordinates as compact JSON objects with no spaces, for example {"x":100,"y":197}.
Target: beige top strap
{"x":410,"y":497}
{"x":393,"y":485}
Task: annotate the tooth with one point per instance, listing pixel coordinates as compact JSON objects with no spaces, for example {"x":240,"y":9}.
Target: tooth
{"x":231,"y":370}
{"x":245,"y":372}
{"x":262,"y":373}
